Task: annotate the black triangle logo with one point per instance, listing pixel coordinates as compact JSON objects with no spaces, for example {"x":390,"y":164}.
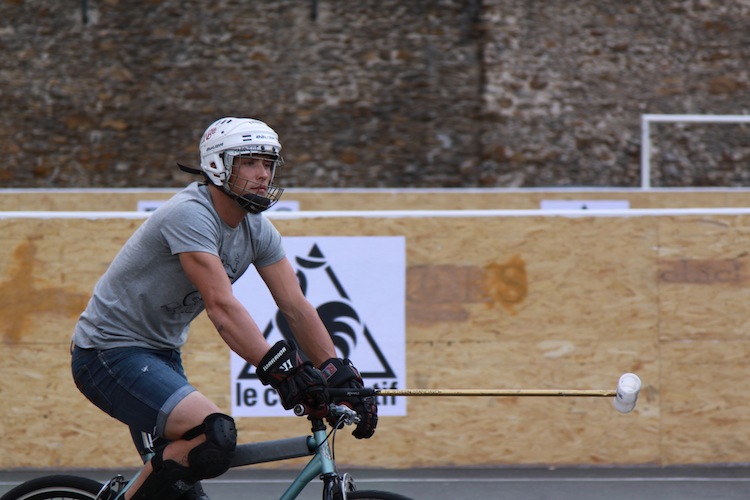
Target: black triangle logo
{"x":338,"y":315}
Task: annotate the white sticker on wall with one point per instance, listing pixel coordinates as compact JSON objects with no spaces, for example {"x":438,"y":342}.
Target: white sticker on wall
{"x":358,"y":286}
{"x":584,"y":204}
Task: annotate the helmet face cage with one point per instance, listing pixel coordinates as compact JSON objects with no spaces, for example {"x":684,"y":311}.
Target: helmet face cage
{"x":239,"y":188}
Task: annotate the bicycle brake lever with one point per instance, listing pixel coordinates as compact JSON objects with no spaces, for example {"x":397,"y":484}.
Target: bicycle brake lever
{"x":346,"y":414}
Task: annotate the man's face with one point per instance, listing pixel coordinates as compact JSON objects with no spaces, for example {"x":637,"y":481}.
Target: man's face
{"x":251,"y":174}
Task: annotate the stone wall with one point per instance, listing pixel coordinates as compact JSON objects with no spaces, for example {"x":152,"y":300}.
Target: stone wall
{"x":387,"y":93}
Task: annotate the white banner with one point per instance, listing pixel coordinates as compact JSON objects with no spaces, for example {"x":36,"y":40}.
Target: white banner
{"x":358,"y":285}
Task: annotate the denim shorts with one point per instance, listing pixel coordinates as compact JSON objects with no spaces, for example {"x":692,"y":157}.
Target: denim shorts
{"x":137,"y":386}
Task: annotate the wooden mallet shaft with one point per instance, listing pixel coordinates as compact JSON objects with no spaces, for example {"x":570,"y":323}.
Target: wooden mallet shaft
{"x":625,"y":396}
{"x":475,"y":392}
{"x":498,"y":392}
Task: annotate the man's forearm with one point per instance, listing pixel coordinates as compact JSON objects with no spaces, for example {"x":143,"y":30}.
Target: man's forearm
{"x":311,"y":335}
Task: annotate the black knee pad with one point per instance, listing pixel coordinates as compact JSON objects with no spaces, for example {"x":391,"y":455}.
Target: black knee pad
{"x":212,"y":457}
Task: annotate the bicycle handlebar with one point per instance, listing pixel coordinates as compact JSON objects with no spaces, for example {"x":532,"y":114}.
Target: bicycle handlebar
{"x":334,"y":412}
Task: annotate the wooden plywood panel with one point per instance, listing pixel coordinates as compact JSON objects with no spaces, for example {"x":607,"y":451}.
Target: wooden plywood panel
{"x":46,"y":276}
{"x":704,"y":403}
{"x":76,"y":200}
{"x":46,"y":422}
{"x":526,"y":302}
{"x":704,"y":277}
{"x":49,"y":270}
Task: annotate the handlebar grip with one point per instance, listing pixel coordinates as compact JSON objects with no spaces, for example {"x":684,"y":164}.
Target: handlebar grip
{"x":336,"y":411}
{"x":301,"y":409}
{"x":345,"y":393}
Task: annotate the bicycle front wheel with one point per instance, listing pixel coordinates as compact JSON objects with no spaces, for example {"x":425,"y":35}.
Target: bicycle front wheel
{"x":60,"y":487}
{"x":372,"y":495}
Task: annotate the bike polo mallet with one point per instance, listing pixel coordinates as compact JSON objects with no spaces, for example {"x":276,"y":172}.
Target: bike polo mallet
{"x":624,"y":397}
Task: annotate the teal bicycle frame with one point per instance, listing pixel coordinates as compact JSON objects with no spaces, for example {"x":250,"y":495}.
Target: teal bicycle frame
{"x":322,"y":464}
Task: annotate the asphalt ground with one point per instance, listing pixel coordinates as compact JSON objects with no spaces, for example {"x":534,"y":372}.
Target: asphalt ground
{"x":596,"y":483}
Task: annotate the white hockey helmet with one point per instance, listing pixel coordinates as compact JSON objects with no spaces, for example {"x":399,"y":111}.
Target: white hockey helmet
{"x":228,"y":138}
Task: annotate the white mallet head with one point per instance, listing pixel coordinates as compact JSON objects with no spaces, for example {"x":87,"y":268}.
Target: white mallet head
{"x":628,"y":389}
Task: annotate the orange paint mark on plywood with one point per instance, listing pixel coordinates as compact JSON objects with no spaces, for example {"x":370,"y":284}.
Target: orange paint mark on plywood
{"x":442,"y":292}
{"x":21,"y":300}
{"x":507,"y":284}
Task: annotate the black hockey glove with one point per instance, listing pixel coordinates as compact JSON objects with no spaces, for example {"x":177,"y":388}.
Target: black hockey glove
{"x":341,"y":374}
{"x":293,"y":376}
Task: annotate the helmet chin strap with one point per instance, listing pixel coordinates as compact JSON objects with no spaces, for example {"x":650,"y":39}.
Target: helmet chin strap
{"x":251,"y":202}
{"x":194,"y":171}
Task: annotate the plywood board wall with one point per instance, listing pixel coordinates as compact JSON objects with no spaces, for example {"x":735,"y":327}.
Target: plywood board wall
{"x":492,"y":302}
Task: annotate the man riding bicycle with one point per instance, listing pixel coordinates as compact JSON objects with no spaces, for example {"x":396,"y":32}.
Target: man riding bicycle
{"x":181,"y":260}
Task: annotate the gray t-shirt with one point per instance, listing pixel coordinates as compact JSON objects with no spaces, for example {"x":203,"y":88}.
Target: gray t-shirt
{"x":145,"y":298}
